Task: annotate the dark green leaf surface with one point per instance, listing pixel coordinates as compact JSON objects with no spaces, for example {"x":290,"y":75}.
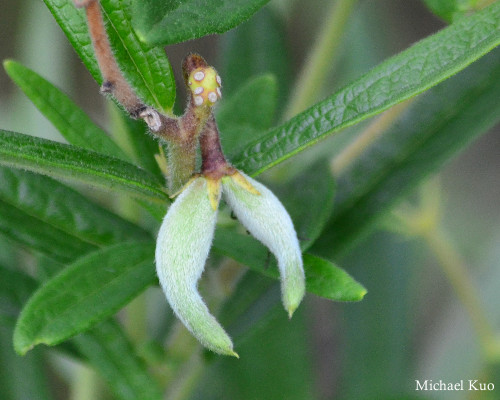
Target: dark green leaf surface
{"x":109,"y":351}
{"x":86,"y":292}
{"x":322,"y":277}
{"x":22,"y":378}
{"x":413,"y":71}
{"x":167,"y":22}
{"x":77,"y":164}
{"x":50,"y":202}
{"x":15,"y":289}
{"x":254,"y":48}
{"x":145,"y":67}
{"x":440,"y":124}
{"x":247,"y":114}
{"x":39,"y":236}
{"x":76,"y":127}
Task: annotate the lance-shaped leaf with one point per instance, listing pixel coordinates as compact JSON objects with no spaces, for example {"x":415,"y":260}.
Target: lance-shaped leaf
{"x":411,"y":72}
{"x":84,"y":293}
{"x":166,"y":22}
{"x":437,"y":126}
{"x":39,"y":236}
{"x":76,"y":127}
{"x":47,"y":201}
{"x":76,"y":164}
{"x":267,"y":220}
{"x":182,"y":249}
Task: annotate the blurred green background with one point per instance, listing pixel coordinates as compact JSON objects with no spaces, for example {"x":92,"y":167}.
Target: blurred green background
{"x":410,"y":324}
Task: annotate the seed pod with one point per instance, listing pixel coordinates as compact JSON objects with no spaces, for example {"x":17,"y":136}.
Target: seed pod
{"x":260,"y":211}
{"x":182,"y":248}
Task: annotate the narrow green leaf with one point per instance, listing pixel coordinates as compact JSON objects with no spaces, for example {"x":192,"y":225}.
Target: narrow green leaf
{"x":256,"y":47}
{"x":86,"y":292}
{"x":109,"y":351}
{"x":248,"y":113}
{"x":39,"y":236}
{"x":437,"y":126}
{"x":450,"y":10}
{"x":167,"y":22}
{"x":76,"y":127}
{"x":145,"y":67}
{"x":322,"y":277}
{"x":326,"y":280}
{"x":411,"y":72}
{"x":79,"y":165}
{"x":49,"y":202}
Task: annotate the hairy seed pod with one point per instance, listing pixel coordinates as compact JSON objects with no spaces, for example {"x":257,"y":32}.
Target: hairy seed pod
{"x":260,"y":211}
{"x":183,"y":244}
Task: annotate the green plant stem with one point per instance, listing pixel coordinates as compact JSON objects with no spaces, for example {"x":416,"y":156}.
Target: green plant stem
{"x":186,"y":378}
{"x":367,"y":137}
{"x":456,"y":272}
{"x":85,"y":384}
{"x":322,"y":57}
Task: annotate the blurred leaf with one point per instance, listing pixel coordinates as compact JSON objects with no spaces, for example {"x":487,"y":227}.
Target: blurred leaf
{"x":50,"y":202}
{"x":411,"y":72}
{"x":76,"y":127}
{"x":145,"y":67}
{"x":381,"y":330}
{"x":109,"y":351}
{"x":248,"y":113}
{"x":40,"y":236}
{"x":251,"y":306}
{"x":76,"y":164}
{"x":322,"y":277}
{"x":15,"y":289}
{"x":437,"y":126}
{"x":86,"y":292}
{"x":450,"y":9}
{"x":256,"y":47}
{"x":22,"y":378}
{"x":167,"y":22}
{"x":275,"y":364}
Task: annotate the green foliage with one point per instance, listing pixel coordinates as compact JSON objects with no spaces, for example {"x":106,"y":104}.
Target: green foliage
{"x":91,"y":289}
{"x":411,"y":72}
{"x":77,"y":164}
{"x":167,"y":22}
{"x":450,"y":9}
{"x":95,"y":261}
{"x":431,"y":132}
{"x":145,"y":66}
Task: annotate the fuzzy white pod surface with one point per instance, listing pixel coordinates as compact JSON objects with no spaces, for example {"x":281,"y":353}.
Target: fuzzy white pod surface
{"x":183,"y":244}
{"x":268,"y":221}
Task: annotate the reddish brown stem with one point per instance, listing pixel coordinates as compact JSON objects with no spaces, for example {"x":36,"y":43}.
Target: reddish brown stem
{"x":213,"y":164}
{"x":114,"y":82}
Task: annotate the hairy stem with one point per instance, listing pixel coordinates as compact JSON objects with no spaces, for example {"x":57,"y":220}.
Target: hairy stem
{"x":114,"y":81}
{"x":321,"y":58}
